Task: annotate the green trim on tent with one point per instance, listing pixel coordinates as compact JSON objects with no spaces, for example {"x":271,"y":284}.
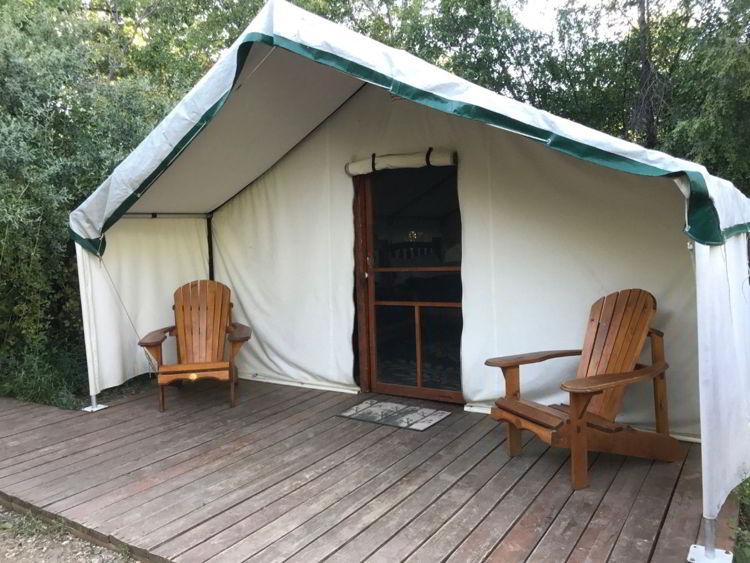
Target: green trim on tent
{"x":703,"y":219}
{"x":738,"y":229}
{"x":94,"y":245}
{"x":164,"y":164}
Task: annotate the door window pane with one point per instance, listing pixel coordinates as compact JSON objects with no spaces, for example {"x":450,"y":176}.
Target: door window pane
{"x":396,"y":345}
{"x":417,"y":220}
{"x":441,"y":347}
{"x":418,"y":286}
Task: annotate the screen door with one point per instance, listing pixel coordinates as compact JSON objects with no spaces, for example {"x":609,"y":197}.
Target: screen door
{"x":409,"y":230}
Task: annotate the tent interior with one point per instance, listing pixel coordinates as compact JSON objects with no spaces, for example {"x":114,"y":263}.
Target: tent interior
{"x":259,"y":198}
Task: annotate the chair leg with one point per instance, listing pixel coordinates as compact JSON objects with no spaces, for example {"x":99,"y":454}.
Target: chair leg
{"x":232,"y":387}
{"x":579,"y":462}
{"x":579,"y":458}
{"x":514,"y":440}
{"x":162,"y":401}
{"x":660,"y":405}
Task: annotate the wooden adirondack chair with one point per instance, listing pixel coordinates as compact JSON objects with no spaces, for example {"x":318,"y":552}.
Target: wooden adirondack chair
{"x":203,"y":319}
{"x":616,"y":333}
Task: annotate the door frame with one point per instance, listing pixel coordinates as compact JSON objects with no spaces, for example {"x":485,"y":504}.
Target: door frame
{"x":364,"y":292}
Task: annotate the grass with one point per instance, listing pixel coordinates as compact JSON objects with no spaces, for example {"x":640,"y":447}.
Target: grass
{"x":26,"y":525}
{"x":29,"y":538}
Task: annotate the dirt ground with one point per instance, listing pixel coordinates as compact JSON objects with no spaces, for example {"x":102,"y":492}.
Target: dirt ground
{"x":26,"y":539}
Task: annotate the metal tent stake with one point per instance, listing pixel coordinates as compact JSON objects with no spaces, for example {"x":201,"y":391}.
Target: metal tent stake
{"x":94,"y":405}
{"x":708,"y":553}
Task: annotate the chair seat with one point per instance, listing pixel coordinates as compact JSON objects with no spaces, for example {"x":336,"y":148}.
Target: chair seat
{"x":553,"y":416}
{"x":197,"y":367}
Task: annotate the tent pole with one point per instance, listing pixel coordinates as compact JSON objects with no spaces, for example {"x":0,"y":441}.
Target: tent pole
{"x":210,"y":235}
{"x":95,"y":406}
{"x":708,"y":553}
{"x":709,"y":538}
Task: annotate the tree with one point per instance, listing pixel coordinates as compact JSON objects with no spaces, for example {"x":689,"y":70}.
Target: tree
{"x":710,"y":112}
{"x":63,"y":127}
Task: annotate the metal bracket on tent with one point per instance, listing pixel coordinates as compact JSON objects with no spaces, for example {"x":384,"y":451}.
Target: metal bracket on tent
{"x":709,"y":553}
{"x":94,"y":406}
{"x":699,"y":554}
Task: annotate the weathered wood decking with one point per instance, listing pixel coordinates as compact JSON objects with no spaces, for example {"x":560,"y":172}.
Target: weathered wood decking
{"x":281,"y":477}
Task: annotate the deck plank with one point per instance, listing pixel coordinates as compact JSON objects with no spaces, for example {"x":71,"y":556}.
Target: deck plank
{"x":638,"y":534}
{"x":599,"y":537}
{"x":308,"y":486}
{"x":332,"y":528}
{"x":461,"y":524}
{"x":185,"y":434}
{"x":562,"y":535}
{"x":236,"y":433}
{"x":683,"y":519}
{"x":488,"y":437}
{"x":133,"y":418}
{"x":281,"y":477}
{"x":114,"y":443}
{"x":418,"y":530}
{"x":35,"y":439}
{"x":41,"y":419}
{"x":376,"y":497}
{"x":160,"y":515}
{"x":256,"y":532}
{"x":488,"y":533}
{"x":141,"y":486}
{"x":284,"y":479}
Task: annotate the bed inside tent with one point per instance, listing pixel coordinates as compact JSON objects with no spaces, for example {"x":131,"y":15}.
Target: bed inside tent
{"x":258,"y":177}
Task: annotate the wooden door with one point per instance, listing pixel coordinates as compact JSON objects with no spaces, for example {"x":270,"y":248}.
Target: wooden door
{"x":408,"y":283}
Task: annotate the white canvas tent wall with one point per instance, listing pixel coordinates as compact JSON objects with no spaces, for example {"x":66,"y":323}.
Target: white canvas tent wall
{"x":554,"y":215}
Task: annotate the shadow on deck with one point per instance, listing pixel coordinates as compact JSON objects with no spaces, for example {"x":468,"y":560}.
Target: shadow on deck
{"x":282,"y":477}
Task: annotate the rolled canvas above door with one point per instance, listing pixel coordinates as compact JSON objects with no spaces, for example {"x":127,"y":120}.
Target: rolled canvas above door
{"x":377,"y":162}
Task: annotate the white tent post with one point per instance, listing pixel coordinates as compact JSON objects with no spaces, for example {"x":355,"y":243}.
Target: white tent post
{"x":94,"y":406}
{"x":708,"y":552}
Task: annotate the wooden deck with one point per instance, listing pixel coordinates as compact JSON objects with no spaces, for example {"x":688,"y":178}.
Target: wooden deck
{"x":282,"y":477}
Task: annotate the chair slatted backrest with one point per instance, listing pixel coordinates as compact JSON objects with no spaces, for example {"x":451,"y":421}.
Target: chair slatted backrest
{"x":616,"y":332}
{"x":202,"y":312}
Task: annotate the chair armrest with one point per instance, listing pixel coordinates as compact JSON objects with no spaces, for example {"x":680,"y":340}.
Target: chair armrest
{"x":655,"y":331}
{"x":533,"y":358}
{"x":598,"y":383}
{"x":155,"y":337}
{"x":240,"y":333}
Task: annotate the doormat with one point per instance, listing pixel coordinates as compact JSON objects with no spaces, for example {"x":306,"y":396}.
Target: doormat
{"x":395,"y":414}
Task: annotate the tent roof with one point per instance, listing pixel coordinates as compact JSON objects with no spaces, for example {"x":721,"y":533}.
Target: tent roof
{"x":266,"y":93}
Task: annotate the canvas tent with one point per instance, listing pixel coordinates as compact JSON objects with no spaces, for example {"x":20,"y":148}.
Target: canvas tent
{"x":246,"y":181}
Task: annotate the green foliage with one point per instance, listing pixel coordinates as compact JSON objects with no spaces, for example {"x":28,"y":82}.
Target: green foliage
{"x":63,"y":127}
{"x":711,"y":118}
{"x":82,"y":82}
{"x":742,"y":532}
